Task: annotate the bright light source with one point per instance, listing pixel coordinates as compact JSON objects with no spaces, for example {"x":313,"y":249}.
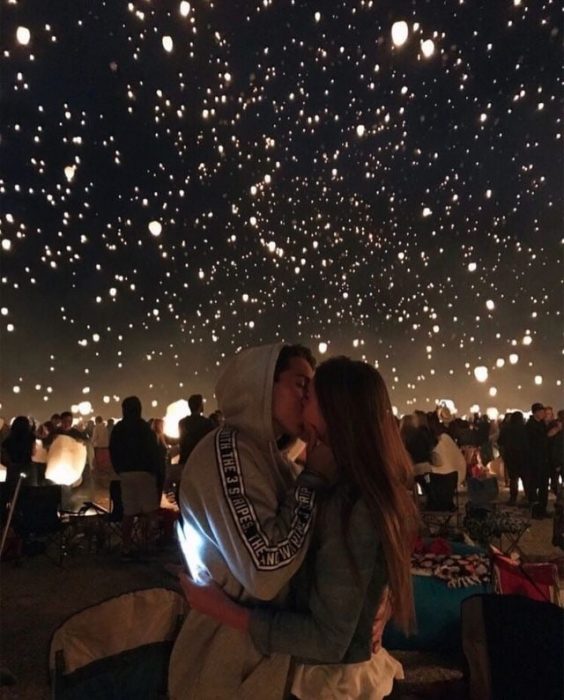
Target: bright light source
{"x":400,"y":32}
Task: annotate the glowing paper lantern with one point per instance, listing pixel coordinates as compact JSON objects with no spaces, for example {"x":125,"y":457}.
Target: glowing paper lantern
{"x":174,"y":412}
{"x":168,"y":44}
{"x":514,"y":358}
{"x":481,"y":373}
{"x":322,"y":347}
{"x":428,"y":48}
{"x":23,"y":36}
{"x":492,"y":413}
{"x":65,"y":461}
{"x":400,"y":33}
{"x":155,"y":228}
{"x":3,"y":473}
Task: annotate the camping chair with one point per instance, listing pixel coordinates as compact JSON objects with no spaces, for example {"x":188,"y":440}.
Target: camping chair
{"x":485,"y":520}
{"x":114,"y":516}
{"x":514,"y":647}
{"x":538,"y":581}
{"x":37,"y":517}
{"x":117,"y":649}
{"x":440,"y":504}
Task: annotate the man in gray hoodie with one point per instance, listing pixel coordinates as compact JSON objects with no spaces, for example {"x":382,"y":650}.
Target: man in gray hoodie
{"x":246,"y":521}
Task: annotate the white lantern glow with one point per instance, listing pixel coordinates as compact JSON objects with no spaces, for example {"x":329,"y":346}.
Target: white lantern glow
{"x":481,"y":373}
{"x":174,"y":412}
{"x":400,"y":32}
{"x":65,"y":461}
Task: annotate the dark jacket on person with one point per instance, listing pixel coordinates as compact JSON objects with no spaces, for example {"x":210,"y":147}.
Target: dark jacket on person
{"x":419,"y":442}
{"x":192,"y":429}
{"x":538,"y":443}
{"x":513,"y":444}
{"x":133,"y":447}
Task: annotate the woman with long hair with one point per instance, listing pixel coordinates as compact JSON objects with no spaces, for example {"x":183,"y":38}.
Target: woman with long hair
{"x":17,"y":452}
{"x":366,"y":526}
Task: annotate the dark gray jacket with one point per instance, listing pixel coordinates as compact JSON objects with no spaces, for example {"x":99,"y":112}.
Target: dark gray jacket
{"x":335,"y":600}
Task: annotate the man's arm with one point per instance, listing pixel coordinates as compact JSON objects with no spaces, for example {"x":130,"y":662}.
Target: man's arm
{"x":262,"y":540}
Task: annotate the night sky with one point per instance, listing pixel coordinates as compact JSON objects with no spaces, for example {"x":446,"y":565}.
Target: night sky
{"x":180,"y":180}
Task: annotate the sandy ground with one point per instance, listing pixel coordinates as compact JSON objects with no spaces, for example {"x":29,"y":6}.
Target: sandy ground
{"x":37,"y":595}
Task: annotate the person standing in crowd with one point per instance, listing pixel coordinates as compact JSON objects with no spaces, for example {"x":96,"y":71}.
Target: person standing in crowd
{"x":246,"y":520}
{"x":513,"y":446}
{"x":157,"y":426}
{"x":446,"y":456}
{"x":192,"y":428}
{"x":135,"y":457}
{"x":17,"y":451}
{"x":365,"y":531}
{"x":555,"y":436}
{"x":538,"y":464}
{"x":101,"y":444}
{"x":419,"y":442}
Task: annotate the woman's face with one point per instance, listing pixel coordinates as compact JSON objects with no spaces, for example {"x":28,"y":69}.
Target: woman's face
{"x":313,"y":417}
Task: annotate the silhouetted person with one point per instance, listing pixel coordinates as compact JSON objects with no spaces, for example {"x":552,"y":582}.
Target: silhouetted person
{"x":538,"y":460}
{"x":135,"y":457}
{"x":193,"y":428}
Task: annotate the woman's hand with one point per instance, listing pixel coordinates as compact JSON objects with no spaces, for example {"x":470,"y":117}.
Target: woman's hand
{"x":209,"y":599}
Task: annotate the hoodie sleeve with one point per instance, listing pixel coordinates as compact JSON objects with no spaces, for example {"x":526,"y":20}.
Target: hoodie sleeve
{"x":337,"y":594}
{"x":262,"y":540}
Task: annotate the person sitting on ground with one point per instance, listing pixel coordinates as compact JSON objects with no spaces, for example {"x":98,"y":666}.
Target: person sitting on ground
{"x":362,"y":543}
{"x":193,"y":428}
{"x":135,"y":457}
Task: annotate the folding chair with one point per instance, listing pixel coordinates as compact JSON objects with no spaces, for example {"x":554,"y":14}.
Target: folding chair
{"x":114,"y":516}
{"x":440,"y":504}
{"x":119,"y":648}
{"x":37,"y":517}
{"x":514,"y":647}
{"x":486,"y":520}
{"x":538,"y":581}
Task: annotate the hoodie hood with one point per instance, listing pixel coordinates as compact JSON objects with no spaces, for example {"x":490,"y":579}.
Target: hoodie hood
{"x":244,"y":391}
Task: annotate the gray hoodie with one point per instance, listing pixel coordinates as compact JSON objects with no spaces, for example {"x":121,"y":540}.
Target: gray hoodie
{"x":247,"y":523}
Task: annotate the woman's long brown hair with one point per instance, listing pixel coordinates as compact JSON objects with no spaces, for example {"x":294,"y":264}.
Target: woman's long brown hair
{"x":365,"y":440}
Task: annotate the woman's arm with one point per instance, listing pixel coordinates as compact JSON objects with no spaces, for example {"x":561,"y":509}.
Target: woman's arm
{"x":337,"y":593}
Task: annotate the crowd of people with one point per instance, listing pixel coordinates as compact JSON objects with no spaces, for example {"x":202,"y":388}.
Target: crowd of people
{"x":531,"y":451}
{"x":147,"y":461}
{"x":297,"y":556}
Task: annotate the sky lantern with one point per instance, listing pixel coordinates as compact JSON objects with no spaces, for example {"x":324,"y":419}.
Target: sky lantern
{"x":174,"y":412}
{"x":400,"y":32}
{"x":65,"y":461}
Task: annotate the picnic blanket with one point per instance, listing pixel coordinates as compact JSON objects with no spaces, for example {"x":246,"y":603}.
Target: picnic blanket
{"x":457,"y":570}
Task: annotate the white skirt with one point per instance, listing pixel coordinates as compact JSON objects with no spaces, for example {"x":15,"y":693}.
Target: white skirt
{"x":369,"y":680}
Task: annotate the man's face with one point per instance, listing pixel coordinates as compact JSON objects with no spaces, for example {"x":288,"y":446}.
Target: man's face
{"x":66,"y":423}
{"x":539,"y":415}
{"x":288,"y":395}
{"x":548,"y":414}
